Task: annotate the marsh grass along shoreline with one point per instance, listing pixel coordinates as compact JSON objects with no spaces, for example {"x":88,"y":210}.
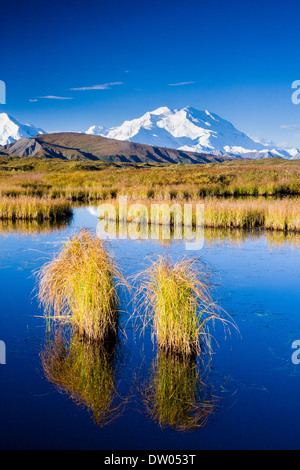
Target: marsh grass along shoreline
{"x":272,"y":214}
{"x":239,"y":194}
{"x":34,"y":209}
{"x":250,"y":213}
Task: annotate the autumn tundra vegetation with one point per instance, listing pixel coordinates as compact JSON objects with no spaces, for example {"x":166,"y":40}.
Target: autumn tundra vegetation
{"x":240,"y":194}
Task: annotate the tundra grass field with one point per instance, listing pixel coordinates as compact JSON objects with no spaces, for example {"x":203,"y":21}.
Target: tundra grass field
{"x":81,"y":180}
{"x":239,"y":194}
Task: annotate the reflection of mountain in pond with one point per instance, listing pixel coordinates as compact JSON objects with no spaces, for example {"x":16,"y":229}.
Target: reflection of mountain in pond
{"x":176,"y":395}
{"x":85,"y":371}
{"x":32,"y":227}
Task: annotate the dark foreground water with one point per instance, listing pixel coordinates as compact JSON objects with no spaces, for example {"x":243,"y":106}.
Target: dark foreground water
{"x":247,"y":396}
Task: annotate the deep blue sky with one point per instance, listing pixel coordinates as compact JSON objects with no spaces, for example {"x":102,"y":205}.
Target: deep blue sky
{"x":241,"y":56}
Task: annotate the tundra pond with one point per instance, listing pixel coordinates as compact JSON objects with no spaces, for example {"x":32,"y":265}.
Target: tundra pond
{"x":59,"y":392}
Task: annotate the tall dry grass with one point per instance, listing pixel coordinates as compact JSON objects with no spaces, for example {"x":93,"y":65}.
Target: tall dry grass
{"x":271,"y":214}
{"x":33,"y":208}
{"x":281,"y":214}
{"x":176,"y":299}
{"x":81,"y":285}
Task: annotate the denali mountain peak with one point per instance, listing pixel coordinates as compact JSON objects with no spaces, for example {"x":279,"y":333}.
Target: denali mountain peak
{"x":193,"y":130}
{"x":187,"y":130}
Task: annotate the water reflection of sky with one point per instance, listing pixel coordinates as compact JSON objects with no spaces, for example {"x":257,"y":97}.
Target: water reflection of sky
{"x":257,"y":283}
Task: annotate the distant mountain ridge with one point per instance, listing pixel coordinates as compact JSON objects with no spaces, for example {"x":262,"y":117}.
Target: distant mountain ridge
{"x":186,"y":130}
{"x":192,"y":130}
{"x":75,"y":146}
{"x":12,"y":130}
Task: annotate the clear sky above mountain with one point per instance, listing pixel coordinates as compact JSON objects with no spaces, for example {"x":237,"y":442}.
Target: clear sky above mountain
{"x":70,"y":65}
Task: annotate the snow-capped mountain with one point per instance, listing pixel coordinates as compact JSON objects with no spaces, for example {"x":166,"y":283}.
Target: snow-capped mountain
{"x":12,"y":130}
{"x":191,"y":130}
{"x":186,"y":129}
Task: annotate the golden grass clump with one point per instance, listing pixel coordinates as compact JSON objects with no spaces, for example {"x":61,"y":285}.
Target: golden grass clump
{"x":85,"y":372}
{"x":176,"y":396}
{"x":176,"y":298}
{"x":81,"y":285}
{"x":34,"y":208}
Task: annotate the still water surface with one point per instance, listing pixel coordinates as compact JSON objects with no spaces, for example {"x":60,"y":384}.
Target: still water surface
{"x":250,"y":388}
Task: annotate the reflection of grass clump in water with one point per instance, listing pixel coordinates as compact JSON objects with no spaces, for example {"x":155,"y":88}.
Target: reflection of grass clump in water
{"x":81,"y":284}
{"x":239,"y":236}
{"x":32,"y":227}
{"x":177,"y":298}
{"x":85,"y":372}
{"x":176,"y":396}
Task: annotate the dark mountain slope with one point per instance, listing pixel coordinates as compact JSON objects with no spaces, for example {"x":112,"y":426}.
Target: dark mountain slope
{"x":75,"y":146}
